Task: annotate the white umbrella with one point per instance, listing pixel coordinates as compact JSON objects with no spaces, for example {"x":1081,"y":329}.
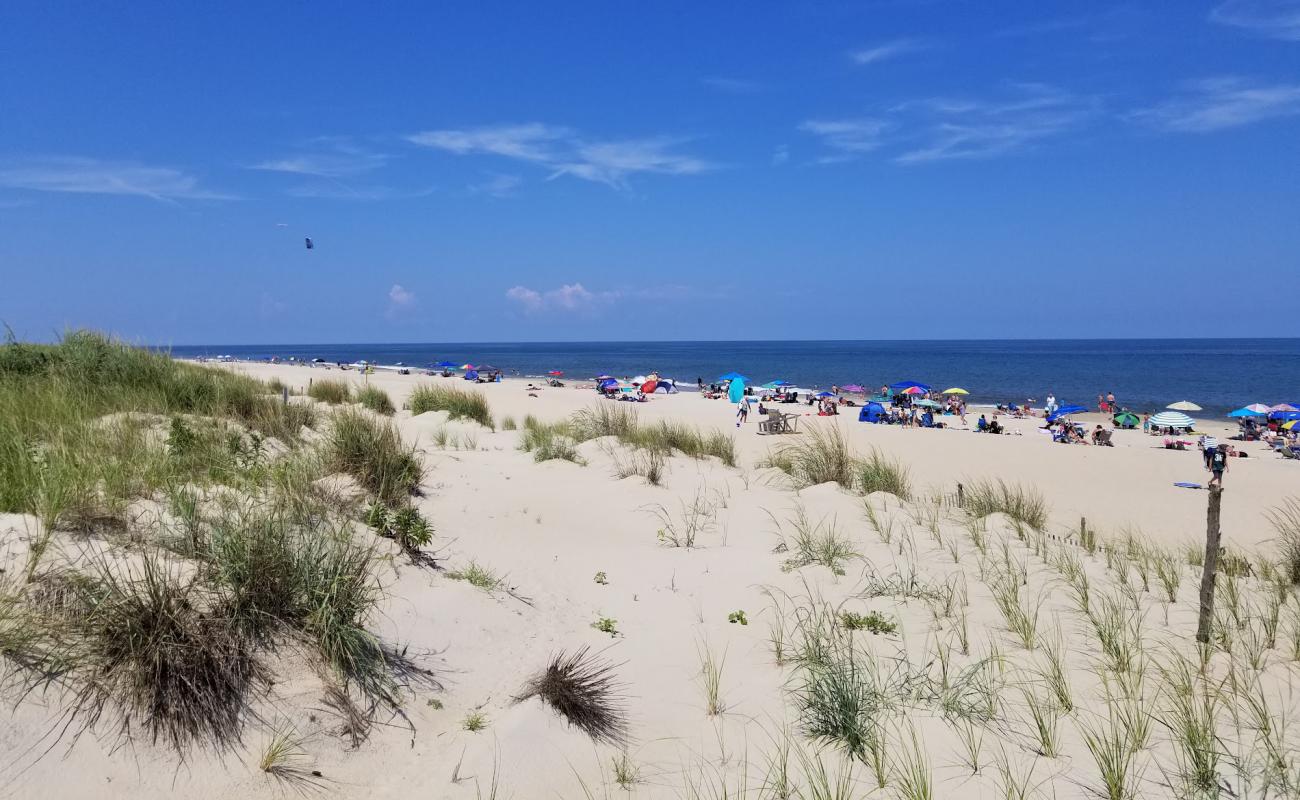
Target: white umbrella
{"x":1172,"y":419}
{"x":1184,"y":405}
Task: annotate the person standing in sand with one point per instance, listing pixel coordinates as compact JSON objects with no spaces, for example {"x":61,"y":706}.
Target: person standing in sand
{"x":1218,"y":466}
{"x":742,"y":413}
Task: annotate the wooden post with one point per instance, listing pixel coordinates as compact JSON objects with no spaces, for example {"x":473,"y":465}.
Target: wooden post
{"x":1211,"y":566}
{"x":961,"y":496}
{"x":284,"y":395}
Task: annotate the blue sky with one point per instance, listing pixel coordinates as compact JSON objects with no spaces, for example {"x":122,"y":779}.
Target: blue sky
{"x":676,"y":170}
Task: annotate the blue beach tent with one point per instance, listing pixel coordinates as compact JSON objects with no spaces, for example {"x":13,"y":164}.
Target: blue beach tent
{"x":471,"y":375}
{"x":901,"y":385}
{"x":871,"y":412}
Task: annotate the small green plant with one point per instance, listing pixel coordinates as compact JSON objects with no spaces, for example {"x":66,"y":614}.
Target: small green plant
{"x":737,"y":616}
{"x":626,"y":772}
{"x":509,"y":424}
{"x":601,"y":578}
{"x":475,"y":721}
{"x":873,"y":622}
{"x":606,"y":625}
{"x":375,"y":399}
{"x":711,"y":680}
{"x":477,"y":575}
{"x":458,"y":403}
{"x":434,"y":703}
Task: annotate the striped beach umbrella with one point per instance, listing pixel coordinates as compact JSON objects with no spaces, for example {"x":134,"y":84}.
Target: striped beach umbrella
{"x":1172,"y":419}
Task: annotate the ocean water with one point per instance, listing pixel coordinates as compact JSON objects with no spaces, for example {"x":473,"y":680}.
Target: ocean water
{"x":1144,"y":374}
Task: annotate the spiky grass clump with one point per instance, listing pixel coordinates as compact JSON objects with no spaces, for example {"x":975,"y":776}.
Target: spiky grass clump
{"x":1285,"y":519}
{"x":477,"y":575}
{"x":458,"y":403}
{"x":817,"y":543}
{"x":372,"y":452}
{"x":549,"y":442}
{"x":330,"y":391}
{"x":878,"y":473}
{"x":584,"y":690}
{"x":1022,"y":504}
{"x":604,"y":419}
{"x":822,"y":457}
{"x":375,"y":399}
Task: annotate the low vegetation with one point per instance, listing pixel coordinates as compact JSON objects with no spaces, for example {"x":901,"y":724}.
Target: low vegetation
{"x":824,"y":456}
{"x":584,"y":690}
{"x":330,"y":391}
{"x":375,"y":399}
{"x":458,"y":403}
{"x":1022,"y":504}
{"x":372,"y":452}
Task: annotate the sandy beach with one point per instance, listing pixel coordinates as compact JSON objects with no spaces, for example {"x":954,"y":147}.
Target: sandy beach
{"x":570,"y":545}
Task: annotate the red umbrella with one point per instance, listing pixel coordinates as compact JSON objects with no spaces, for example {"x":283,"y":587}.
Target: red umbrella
{"x":649,"y":386}
{"x":556,"y":372}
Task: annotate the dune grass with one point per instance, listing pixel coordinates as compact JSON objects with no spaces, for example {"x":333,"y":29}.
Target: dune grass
{"x":458,"y":403}
{"x":328,"y":390}
{"x":878,"y":473}
{"x":547,"y":442}
{"x":375,"y":399}
{"x":371,"y":451}
{"x":584,"y":690}
{"x":820,"y":456}
{"x":1285,"y":519}
{"x":1022,"y":504}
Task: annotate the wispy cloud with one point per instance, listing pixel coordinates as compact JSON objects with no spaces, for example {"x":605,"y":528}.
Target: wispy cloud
{"x":326,"y":157}
{"x":942,"y":128}
{"x":732,"y":85}
{"x":847,"y":137}
{"x":333,"y":189}
{"x":1277,"y":19}
{"x":400,"y":300}
{"x":564,"y":152}
{"x":569,"y":298}
{"x":498,"y":185}
{"x":92,"y":176}
{"x":1221,"y":103}
{"x":885,"y":51}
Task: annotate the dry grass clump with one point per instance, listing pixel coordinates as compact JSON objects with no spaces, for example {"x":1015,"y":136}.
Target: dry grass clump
{"x":603,"y":419}
{"x":330,"y":391}
{"x":549,"y":441}
{"x":375,"y":399}
{"x":878,"y":473}
{"x":1285,"y":519}
{"x":663,"y":436}
{"x":1023,"y":504}
{"x":458,"y":403}
{"x":822,"y":456}
{"x":584,"y":690}
{"x":372,"y":452}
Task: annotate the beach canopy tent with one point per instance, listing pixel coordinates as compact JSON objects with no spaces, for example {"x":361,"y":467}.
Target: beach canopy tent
{"x":1184,"y":405}
{"x":871,"y":412}
{"x":909,"y":387}
{"x":1248,"y":412}
{"x":955,"y":390}
{"x":1172,"y":419}
{"x":665,"y":386}
{"x":471,"y":374}
{"x":733,"y":376}
{"x":1065,"y":411}
{"x":1126,"y":419}
{"x":853,"y":388}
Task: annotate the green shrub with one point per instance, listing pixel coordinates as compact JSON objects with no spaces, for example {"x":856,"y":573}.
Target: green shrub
{"x":458,"y":403}
{"x":1022,"y":504}
{"x":330,"y":391}
{"x":375,"y":399}
{"x":875,"y":622}
{"x":372,"y":452}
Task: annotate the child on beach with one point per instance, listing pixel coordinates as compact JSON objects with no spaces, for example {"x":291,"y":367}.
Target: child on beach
{"x":1218,"y":466}
{"x":742,"y":413}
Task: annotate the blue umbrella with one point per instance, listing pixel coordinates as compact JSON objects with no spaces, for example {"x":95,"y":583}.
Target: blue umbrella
{"x":901,"y":385}
{"x":824,"y":394}
{"x":446,"y":364}
{"x":736,"y":391}
{"x":733,"y":376}
{"x":1246,"y":412}
{"x":1066,"y":410}
{"x":777,"y":384}
{"x":1284,"y":415}
{"x":607,"y":383}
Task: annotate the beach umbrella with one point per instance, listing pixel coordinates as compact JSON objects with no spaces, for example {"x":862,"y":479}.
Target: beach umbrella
{"x":604,"y":377}
{"x":607,"y":383}
{"x":1257,"y":407}
{"x":556,"y":372}
{"x":1287,"y":415}
{"x":903,"y":386}
{"x":955,"y":390}
{"x":733,"y":376}
{"x":446,"y":365}
{"x":1172,"y":419}
{"x":1065,"y":411}
{"x":1248,"y":412}
{"x":467,"y":366}
{"x":1290,"y":426}
{"x":736,"y":391}
{"x":928,"y":404}
{"x":853,"y":388}
{"x":649,"y":386}
{"x":1284,"y":407}
{"x":1124,"y":418}
{"x":1184,"y":405}
{"x":913,"y":390}
{"x":823,"y":394}
{"x":776,"y":384}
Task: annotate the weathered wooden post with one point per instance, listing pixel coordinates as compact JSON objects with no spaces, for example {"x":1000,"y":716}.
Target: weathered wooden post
{"x":961,"y":496}
{"x":1211,"y":566}
{"x":284,"y":395}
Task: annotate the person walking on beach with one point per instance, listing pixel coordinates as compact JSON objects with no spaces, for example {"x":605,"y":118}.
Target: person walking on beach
{"x":1110,"y":402}
{"x":1050,"y":408}
{"x":742,"y":413}
{"x":1218,"y":466}
{"x":1209,"y":445}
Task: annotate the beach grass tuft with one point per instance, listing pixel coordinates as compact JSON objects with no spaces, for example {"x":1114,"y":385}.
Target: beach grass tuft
{"x":372,"y":452}
{"x":458,"y":403}
{"x":878,"y":473}
{"x":584,"y":690}
{"x":330,"y":391}
{"x":375,"y":399}
{"x":1022,"y":504}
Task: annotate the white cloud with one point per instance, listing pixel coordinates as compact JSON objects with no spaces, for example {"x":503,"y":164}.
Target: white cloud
{"x":1221,"y":103}
{"x":327,"y":157}
{"x":399,"y":300}
{"x":333,"y":189}
{"x":498,"y":185}
{"x":564,"y":152}
{"x":939,"y":128}
{"x":569,"y":298}
{"x":91,"y":176}
{"x":1277,"y":19}
{"x":886,"y":50}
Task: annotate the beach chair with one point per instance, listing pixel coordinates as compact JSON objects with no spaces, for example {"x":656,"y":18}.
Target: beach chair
{"x":1103,"y":438}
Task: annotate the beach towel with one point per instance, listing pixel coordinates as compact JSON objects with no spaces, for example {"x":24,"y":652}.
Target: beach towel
{"x":1185,"y":485}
